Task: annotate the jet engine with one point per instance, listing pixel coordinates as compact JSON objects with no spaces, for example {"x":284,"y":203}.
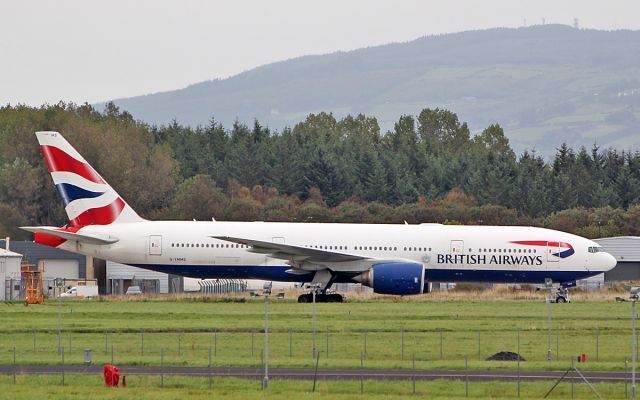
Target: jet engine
{"x":400,"y":278}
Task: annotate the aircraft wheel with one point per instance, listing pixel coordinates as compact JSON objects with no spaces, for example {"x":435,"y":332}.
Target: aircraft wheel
{"x":561,"y":299}
{"x":304,"y":298}
{"x":336,"y":298}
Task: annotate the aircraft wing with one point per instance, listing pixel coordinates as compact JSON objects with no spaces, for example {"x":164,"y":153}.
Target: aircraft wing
{"x":292,"y":252}
{"x":91,"y":238}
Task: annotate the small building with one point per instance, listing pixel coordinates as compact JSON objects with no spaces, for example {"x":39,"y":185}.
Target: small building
{"x":57,"y":263}
{"x":9,"y":274}
{"x":626,"y":250}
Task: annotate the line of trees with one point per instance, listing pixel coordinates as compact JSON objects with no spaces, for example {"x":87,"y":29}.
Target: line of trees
{"x":429,"y":168}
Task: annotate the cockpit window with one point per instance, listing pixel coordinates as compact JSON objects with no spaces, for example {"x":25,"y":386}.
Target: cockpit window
{"x":595,"y":249}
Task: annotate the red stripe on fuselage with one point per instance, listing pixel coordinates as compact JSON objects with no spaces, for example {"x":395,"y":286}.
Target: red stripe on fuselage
{"x":59,"y":161}
{"x":100,"y":216}
{"x":543,"y":243}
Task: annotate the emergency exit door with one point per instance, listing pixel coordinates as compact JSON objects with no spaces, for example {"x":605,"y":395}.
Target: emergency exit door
{"x":457,"y":247}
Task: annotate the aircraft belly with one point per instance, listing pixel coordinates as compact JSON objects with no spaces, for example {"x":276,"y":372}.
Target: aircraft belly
{"x":503,"y":275}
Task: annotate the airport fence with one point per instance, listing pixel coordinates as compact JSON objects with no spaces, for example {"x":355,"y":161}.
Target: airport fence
{"x":375,"y":348}
{"x":342,"y":348}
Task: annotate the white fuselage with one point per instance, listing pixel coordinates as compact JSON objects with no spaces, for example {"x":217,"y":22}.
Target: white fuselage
{"x":449,"y":253}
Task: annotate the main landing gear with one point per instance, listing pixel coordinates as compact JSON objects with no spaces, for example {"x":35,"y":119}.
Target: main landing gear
{"x":321,"y":298}
{"x":322,"y":281}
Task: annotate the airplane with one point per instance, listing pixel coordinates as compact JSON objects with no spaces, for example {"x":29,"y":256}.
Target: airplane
{"x":395,"y":259}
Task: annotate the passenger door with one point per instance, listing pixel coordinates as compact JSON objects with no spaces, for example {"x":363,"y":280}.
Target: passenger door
{"x":457,"y":249}
{"x":553,"y":248}
{"x":155,"y":245}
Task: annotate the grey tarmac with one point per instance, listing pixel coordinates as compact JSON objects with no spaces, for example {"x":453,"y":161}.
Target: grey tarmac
{"x":324,"y":373}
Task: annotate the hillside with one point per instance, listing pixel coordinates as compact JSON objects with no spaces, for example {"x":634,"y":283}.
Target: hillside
{"x":543,"y":84}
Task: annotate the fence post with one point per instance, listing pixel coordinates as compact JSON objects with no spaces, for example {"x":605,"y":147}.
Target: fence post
{"x":557,"y":347}
{"x":62,"y":355}
{"x":597,"y":345}
{"x":327,"y":349}
{"x":519,"y":364}
{"x":290,"y":343}
{"x":365,"y":344}
{"x":210,"y":368}
{"x":361,"y":372}
{"x":478,"y":345}
{"x":626,"y":380}
{"x":14,"y":365}
{"x":413,"y":377}
{"x":441,"y":345}
{"x":215,"y":343}
{"x":402,"y":344}
{"x":466,"y":375}
{"x":573,"y":369}
{"x":162,"y":367}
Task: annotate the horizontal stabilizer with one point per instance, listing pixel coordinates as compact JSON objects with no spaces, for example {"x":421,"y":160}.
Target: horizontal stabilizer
{"x":90,"y":238}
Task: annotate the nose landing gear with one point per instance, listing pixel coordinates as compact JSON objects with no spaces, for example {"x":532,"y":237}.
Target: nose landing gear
{"x":562,"y":295}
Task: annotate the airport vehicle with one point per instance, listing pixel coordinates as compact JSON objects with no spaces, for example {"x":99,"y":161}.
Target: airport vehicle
{"x":81,"y":291}
{"x":392,"y":259}
{"x":133,"y":290}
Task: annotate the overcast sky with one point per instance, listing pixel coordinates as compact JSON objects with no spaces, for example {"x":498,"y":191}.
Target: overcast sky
{"x":90,"y":51}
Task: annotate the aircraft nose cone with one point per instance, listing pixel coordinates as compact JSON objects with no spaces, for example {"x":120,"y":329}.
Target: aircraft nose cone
{"x":610,"y":262}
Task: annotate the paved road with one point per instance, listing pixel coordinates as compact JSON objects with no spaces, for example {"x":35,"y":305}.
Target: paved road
{"x":323,"y":373}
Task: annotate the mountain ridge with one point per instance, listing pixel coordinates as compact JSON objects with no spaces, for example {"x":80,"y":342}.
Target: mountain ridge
{"x":541,"y":83}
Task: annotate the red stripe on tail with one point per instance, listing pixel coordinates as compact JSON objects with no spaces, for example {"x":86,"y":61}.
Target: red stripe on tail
{"x":59,"y":161}
{"x":100,"y":216}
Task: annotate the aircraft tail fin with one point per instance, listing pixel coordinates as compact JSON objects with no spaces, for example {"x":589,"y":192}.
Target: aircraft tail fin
{"x":88,"y":199}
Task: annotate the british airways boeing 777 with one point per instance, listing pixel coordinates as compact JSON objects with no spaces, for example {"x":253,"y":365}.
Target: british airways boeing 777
{"x":392,"y":259}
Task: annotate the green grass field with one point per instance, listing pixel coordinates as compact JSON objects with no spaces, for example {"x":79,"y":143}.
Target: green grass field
{"x":148,"y":387}
{"x":388,"y":331}
{"x":185,"y":330}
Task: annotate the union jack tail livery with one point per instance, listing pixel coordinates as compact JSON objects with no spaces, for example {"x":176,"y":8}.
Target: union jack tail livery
{"x":88,"y":199}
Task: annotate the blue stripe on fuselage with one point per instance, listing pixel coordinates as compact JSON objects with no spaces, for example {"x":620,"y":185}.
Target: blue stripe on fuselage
{"x":279,"y":273}
{"x":504,"y":276}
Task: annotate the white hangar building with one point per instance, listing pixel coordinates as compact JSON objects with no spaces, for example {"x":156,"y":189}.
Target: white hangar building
{"x":626,"y":250}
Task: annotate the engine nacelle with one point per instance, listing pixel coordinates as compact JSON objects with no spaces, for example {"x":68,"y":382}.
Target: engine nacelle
{"x":400,"y":278}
